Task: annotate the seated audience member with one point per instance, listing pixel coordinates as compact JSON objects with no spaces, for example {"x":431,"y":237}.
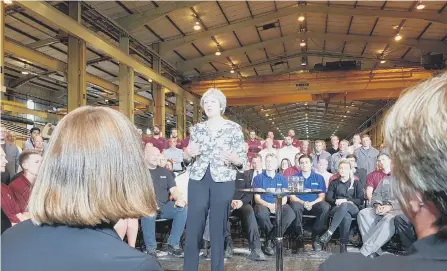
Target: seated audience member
{"x":366,"y":155}
{"x":12,"y":156}
{"x":359,"y":173}
{"x":157,"y":140}
{"x":374,"y":178}
{"x":175,"y":154}
{"x":293,"y":169}
{"x":29,"y":143}
{"x":284,"y":165}
{"x":405,"y":230}
{"x":164,"y":185}
{"x":356,"y":143}
{"x":257,"y":168}
{"x":268,"y":150}
{"x":415,"y":135}
{"x":11,"y":139}
{"x":345,"y":195}
{"x":288,"y":151}
{"x":162,"y":160}
{"x":310,"y":204}
{"x":254,"y":146}
{"x":275,"y":143}
{"x":8,"y":202}
{"x":21,"y":187}
{"x":335,"y":144}
{"x":75,"y":201}
{"x":341,"y":154}
{"x":38,"y":144}
{"x":127,"y":227}
{"x":320,"y":153}
{"x":295,"y":142}
{"x":322,"y":170}
{"x":178,"y":141}
{"x":306,"y":147}
{"x":265,"y":203}
{"x":376,"y":224}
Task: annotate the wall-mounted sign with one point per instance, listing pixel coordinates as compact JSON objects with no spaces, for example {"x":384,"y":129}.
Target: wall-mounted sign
{"x":302,"y":85}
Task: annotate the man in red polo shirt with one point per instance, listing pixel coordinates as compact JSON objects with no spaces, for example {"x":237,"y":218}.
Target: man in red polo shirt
{"x":254,"y":146}
{"x":295,"y":142}
{"x":174,"y":135}
{"x":276,"y":144}
{"x":374,"y":178}
{"x":157,"y":140}
{"x":30,"y":161}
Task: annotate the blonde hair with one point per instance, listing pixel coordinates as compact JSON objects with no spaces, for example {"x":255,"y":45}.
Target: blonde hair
{"x":415,"y":133}
{"x":93,"y":172}
{"x":215,"y":93}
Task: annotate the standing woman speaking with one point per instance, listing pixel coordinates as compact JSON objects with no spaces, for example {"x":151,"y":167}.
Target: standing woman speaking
{"x":217,"y":150}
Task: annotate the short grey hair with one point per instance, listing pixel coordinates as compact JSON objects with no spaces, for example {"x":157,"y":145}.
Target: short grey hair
{"x":415,"y":132}
{"x":215,"y":93}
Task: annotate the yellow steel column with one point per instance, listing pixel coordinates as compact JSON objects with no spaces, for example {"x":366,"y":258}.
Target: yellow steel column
{"x":159,"y":95}
{"x":2,"y":48}
{"x":180,"y":111}
{"x":76,"y":63}
{"x":126,"y":84}
{"x":160,"y":108}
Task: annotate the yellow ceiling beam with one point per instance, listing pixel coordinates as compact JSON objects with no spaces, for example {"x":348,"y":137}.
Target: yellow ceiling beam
{"x":316,"y":83}
{"x":67,"y":24}
{"x":54,"y":64}
{"x":19,"y":108}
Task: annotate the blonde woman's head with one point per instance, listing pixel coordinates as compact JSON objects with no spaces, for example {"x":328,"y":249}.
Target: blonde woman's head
{"x":93,"y":172}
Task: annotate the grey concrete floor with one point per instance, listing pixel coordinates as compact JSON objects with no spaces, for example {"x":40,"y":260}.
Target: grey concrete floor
{"x":307,"y":260}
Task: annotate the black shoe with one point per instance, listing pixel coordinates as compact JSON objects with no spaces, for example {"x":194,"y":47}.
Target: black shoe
{"x":299,"y":244}
{"x":151,"y":252}
{"x":257,"y":255}
{"x":229,"y":250}
{"x":343,"y":248}
{"x":175,"y":251}
{"x":268,"y":248}
{"x":325,"y":238}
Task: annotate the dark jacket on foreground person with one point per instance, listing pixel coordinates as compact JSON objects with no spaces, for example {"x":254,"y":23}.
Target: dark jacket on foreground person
{"x":56,"y":248}
{"x":429,"y":253}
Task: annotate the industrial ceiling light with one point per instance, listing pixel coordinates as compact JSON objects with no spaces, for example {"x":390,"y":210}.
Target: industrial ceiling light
{"x":420,"y":5}
{"x":303,"y":63}
{"x":382,"y":61}
{"x":197,"y":26}
{"x":191,"y":102}
{"x":301,"y":18}
{"x":150,"y":80}
{"x":7,"y":2}
{"x":25,"y":72}
{"x":398,"y":37}
{"x":232,"y":71}
{"x":218,"y":53}
{"x":302,"y":43}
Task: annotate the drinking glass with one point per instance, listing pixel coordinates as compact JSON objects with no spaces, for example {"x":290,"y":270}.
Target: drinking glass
{"x":292,"y":183}
{"x":300,"y":184}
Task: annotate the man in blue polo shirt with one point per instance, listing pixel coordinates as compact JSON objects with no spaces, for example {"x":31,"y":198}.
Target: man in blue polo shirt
{"x":265,"y":203}
{"x":310,"y":204}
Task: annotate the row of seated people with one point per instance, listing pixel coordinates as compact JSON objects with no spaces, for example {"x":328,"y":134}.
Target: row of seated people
{"x":343,"y":201}
{"x":365,"y":153}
